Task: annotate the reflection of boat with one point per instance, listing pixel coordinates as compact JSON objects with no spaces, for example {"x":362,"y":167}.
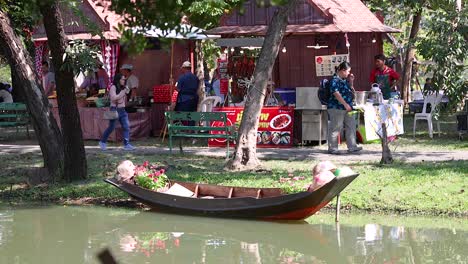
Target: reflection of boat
{"x":300,"y":237}
{"x":239,"y":202}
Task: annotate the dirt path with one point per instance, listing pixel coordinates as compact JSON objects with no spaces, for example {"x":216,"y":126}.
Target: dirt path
{"x":369,"y":153}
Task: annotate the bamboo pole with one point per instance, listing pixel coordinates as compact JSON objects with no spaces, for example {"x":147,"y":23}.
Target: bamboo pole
{"x":337,"y":209}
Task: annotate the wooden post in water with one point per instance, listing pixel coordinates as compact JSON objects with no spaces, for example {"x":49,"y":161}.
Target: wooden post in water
{"x":337,"y":209}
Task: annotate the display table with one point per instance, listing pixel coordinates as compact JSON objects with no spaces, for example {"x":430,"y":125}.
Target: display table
{"x":374,"y":116}
{"x":275,"y":128}
{"x":93,"y":125}
{"x":157,"y":117}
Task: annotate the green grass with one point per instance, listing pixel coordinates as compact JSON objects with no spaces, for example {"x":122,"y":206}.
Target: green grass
{"x":5,"y":73}
{"x":418,"y":188}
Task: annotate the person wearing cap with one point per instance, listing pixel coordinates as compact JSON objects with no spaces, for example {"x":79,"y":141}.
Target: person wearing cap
{"x":187,"y":87}
{"x":132,"y":80}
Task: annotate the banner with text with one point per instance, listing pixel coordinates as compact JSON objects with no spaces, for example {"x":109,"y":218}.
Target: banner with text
{"x":275,"y":128}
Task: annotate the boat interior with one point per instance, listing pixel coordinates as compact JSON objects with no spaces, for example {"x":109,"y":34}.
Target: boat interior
{"x":219,"y":191}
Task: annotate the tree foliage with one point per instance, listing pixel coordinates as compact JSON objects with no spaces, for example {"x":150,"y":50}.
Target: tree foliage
{"x":441,"y":24}
{"x":445,"y":45}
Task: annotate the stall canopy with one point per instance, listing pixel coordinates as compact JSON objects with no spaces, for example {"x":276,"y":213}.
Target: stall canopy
{"x":185,"y":31}
{"x":240,"y":42}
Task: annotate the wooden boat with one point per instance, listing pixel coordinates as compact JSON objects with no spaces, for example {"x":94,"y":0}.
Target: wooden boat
{"x":238,"y":202}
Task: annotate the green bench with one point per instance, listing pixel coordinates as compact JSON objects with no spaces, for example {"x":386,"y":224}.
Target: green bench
{"x":14,"y":115}
{"x":205,"y":123}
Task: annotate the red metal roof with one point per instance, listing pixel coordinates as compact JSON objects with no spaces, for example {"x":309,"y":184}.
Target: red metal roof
{"x":97,"y":11}
{"x":347,"y":16}
{"x":352,"y":16}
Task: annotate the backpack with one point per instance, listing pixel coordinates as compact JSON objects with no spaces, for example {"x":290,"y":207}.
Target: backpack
{"x":324,"y":91}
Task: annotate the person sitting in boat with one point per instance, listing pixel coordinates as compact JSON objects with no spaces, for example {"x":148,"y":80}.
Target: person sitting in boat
{"x":126,"y":170}
{"x":322,"y":174}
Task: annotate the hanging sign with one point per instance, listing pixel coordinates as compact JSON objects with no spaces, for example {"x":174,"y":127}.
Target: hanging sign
{"x":224,"y":78}
{"x":325,"y":65}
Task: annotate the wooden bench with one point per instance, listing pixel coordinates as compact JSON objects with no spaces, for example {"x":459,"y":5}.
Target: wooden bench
{"x":14,"y":115}
{"x":177,"y":126}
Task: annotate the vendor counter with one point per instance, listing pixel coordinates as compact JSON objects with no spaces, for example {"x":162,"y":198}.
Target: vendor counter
{"x":146,"y":121}
{"x":373,"y":116}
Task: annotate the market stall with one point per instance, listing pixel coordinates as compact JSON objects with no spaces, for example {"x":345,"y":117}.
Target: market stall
{"x":318,"y":37}
{"x":93,"y":123}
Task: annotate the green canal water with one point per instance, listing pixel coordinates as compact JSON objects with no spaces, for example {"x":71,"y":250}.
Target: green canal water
{"x":66,"y":235}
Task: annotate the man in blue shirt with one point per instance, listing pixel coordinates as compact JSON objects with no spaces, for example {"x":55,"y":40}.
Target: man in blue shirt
{"x":187,"y":86}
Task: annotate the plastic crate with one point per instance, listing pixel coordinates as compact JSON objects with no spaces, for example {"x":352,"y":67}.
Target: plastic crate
{"x":162,"y":93}
{"x":288,"y":95}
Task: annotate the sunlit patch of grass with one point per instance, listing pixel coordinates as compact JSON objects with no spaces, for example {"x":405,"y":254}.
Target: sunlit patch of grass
{"x":413,"y":188}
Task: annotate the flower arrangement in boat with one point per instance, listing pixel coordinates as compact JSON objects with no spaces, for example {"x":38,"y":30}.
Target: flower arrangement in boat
{"x":151,"y":177}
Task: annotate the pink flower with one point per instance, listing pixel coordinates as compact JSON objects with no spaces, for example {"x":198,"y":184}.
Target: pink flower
{"x":157,"y":173}
{"x":162,"y":171}
{"x":145,"y":164}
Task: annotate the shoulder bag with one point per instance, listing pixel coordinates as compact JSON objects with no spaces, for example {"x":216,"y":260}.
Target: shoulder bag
{"x":111,"y":114}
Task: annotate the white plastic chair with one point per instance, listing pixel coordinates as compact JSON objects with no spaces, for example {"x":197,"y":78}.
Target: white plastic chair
{"x":209,"y":102}
{"x":434,"y":100}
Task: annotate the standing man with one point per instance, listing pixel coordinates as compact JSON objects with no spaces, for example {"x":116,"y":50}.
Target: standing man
{"x":132,"y":80}
{"x":48,"y":79}
{"x":385,"y":76}
{"x":187,"y":86}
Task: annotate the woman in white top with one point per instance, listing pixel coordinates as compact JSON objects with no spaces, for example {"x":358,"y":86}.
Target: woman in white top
{"x":118,"y":96}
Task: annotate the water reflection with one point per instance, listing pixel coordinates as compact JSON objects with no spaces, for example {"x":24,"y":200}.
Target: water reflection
{"x":75,"y":235}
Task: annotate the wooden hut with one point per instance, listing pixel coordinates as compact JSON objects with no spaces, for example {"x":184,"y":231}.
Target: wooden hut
{"x":315,"y":28}
{"x":150,"y":66}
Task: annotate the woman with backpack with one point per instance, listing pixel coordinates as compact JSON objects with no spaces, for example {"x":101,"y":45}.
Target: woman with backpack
{"x":340,"y":104}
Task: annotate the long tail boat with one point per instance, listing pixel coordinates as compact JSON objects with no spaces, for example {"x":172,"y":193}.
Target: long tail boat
{"x":238,"y":202}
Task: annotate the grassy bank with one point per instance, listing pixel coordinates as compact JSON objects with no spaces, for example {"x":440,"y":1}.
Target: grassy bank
{"x":416,"y":188}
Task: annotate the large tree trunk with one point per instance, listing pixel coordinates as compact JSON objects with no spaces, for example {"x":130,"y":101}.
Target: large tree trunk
{"x":245,"y":155}
{"x":17,"y":93}
{"x":45,"y":126}
{"x":75,"y":156}
{"x":409,"y":58}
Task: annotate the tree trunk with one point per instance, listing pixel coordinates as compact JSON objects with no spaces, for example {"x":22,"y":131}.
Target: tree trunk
{"x":409,"y":58}
{"x":47,"y":132}
{"x":75,"y":156}
{"x":386,"y":152}
{"x":200,"y":72}
{"x":245,"y":154}
{"x":17,"y":93}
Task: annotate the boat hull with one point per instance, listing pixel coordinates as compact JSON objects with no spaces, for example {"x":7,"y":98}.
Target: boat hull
{"x":295,"y":206}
